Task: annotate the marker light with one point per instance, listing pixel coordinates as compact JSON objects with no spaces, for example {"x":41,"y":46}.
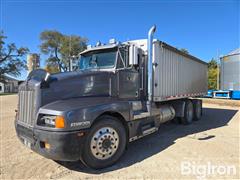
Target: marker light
{"x":59,"y":122}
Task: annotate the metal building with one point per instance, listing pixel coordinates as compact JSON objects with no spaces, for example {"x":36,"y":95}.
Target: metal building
{"x":33,"y":61}
{"x":9,"y":85}
{"x":230,"y":71}
{"x":1,"y":87}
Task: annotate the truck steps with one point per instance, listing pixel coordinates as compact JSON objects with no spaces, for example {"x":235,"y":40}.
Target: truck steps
{"x":145,"y":127}
{"x":144,"y":133}
{"x":140,"y":115}
{"x":149,"y":131}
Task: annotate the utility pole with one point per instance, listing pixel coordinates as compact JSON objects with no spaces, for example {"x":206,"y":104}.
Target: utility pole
{"x":70,"y":58}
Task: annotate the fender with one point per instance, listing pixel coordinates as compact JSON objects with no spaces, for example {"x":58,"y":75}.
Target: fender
{"x":80,"y":113}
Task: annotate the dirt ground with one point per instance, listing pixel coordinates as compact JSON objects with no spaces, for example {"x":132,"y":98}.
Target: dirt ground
{"x":211,"y":143}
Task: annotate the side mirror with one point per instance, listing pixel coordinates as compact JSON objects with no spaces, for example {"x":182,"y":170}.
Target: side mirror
{"x":133,"y":55}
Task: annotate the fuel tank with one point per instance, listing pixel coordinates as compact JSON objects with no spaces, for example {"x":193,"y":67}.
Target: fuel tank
{"x":167,"y":113}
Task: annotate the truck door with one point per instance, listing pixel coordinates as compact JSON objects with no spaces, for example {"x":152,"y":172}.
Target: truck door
{"x":127,"y":77}
{"x":128,"y":83}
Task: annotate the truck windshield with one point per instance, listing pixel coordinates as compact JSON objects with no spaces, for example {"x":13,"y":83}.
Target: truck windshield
{"x":98,"y":60}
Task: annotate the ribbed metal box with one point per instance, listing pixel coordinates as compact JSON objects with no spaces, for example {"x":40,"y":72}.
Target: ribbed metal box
{"x":230,"y":71}
{"x":177,"y":74}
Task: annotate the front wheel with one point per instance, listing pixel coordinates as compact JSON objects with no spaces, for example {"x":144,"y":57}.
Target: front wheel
{"x":105,"y":143}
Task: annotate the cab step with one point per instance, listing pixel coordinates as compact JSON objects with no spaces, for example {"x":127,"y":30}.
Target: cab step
{"x":140,"y":115}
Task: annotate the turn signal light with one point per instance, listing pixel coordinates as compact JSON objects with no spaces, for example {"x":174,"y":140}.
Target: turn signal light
{"x":59,"y":122}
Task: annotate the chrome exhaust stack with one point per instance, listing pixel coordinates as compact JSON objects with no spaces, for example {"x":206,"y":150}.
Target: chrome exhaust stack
{"x":150,"y":67}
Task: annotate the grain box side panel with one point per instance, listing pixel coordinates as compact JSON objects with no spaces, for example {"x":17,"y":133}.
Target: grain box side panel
{"x":177,"y":76}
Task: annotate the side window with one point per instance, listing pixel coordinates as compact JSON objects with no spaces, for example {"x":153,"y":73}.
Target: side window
{"x":124,"y":54}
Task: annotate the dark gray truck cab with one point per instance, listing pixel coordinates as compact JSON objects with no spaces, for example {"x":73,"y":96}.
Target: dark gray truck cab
{"x":92,"y":113}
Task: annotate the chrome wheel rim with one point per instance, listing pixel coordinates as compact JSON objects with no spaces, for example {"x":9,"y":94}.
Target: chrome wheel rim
{"x":104,"y":143}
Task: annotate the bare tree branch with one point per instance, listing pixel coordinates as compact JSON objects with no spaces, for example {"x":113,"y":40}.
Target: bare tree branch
{"x":11,"y":58}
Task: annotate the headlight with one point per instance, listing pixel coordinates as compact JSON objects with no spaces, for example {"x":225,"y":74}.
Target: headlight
{"x":52,"y":121}
{"x":48,"y":120}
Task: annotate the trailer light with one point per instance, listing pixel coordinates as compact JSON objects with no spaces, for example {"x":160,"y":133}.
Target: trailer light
{"x":59,"y":122}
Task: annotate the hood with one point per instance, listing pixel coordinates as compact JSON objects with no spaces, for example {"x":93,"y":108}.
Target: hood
{"x":77,"y":84}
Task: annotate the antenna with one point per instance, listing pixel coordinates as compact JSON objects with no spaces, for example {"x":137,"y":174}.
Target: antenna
{"x":70,"y":59}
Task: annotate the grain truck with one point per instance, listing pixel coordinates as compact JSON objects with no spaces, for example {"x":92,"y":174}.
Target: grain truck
{"x":120,"y":92}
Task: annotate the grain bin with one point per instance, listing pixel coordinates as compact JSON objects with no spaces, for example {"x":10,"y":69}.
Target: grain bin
{"x":230,"y":71}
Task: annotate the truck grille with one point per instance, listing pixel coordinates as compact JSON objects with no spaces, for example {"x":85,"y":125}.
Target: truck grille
{"x":26,"y":114}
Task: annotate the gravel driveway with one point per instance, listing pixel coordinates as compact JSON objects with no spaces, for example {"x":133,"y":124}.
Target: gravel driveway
{"x":208,"y":148}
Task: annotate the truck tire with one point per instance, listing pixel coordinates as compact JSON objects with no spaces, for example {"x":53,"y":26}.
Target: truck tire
{"x":105,"y":143}
{"x":197,"y":108}
{"x":188,"y":113}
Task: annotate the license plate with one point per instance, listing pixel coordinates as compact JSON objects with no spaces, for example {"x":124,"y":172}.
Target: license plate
{"x":27,"y":143}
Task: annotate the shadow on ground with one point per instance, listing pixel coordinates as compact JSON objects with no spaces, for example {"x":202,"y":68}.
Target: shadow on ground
{"x":166,"y":136}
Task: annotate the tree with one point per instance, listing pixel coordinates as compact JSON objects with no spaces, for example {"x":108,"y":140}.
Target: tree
{"x":212,"y":74}
{"x":61,"y":48}
{"x":11,"y":58}
{"x":184,"y":50}
{"x":51,"y":68}
{"x":212,"y":64}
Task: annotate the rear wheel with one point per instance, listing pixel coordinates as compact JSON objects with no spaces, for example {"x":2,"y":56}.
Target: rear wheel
{"x":188,"y":113}
{"x":197,"y":107}
{"x":105,"y":143}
